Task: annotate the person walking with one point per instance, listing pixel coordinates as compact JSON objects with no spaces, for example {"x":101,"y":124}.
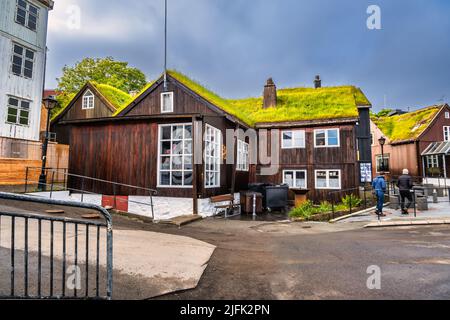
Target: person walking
{"x":379,"y":186}
{"x":405,"y":184}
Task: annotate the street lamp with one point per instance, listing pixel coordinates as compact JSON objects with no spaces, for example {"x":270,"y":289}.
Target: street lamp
{"x":382,"y":142}
{"x":49,"y":103}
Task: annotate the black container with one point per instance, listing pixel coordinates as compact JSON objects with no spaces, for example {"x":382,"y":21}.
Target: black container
{"x":274,"y":197}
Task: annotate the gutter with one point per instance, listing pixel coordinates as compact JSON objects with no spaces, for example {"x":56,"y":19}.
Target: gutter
{"x":130,"y":118}
{"x":306,"y":123}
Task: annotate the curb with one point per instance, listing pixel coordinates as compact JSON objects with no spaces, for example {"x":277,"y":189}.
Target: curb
{"x":357,"y":213}
{"x":385,"y":224}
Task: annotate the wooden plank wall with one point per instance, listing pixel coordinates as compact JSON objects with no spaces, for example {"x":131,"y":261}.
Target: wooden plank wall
{"x":310,"y":159}
{"x":13,"y":171}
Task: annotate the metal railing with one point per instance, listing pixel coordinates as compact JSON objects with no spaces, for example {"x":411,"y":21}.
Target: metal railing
{"x":54,"y":185}
{"x":422,"y":193}
{"x":362,"y":195}
{"x":54,"y":224}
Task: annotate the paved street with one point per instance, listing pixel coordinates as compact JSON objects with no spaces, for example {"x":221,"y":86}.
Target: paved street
{"x":146,"y":264}
{"x":274,"y":260}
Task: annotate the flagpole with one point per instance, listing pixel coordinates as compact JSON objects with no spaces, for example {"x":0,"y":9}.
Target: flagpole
{"x":165,"y":44}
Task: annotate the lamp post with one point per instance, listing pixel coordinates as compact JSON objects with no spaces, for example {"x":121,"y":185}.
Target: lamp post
{"x":382,"y":142}
{"x":50,"y":103}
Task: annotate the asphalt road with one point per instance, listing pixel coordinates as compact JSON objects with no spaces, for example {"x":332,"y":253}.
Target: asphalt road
{"x":324,"y":262}
{"x":258,"y":260}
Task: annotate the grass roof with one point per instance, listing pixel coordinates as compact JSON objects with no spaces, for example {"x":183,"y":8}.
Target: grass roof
{"x":131,"y":100}
{"x":118,"y":98}
{"x":296,"y":104}
{"x":408,"y":126}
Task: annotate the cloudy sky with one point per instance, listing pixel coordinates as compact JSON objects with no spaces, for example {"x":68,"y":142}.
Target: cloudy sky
{"x":233,"y":46}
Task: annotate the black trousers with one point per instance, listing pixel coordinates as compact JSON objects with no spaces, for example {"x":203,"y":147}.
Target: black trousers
{"x":405,"y":194}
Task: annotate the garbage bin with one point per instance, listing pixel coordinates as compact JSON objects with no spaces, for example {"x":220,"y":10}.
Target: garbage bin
{"x":247,"y":202}
{"x":422,"y":203}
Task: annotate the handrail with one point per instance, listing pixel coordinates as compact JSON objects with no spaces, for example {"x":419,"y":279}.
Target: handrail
{"x":96,"y":179}
{"x":151,"y":192}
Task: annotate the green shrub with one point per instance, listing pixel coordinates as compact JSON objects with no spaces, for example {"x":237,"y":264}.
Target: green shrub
{"x":325,"y":207}
{"x":306,"y":210}
{"x":351,"y":201}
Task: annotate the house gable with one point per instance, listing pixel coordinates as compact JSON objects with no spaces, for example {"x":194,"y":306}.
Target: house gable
{"x":106,"y":100}
{"x":435,"y":130}
{"x":185,"y":102}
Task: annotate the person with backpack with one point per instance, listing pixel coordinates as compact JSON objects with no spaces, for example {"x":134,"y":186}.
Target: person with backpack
{"x":405,"y":184}
{"x":379,"y":187}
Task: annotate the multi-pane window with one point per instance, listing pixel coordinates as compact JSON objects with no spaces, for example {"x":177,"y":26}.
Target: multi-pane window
{"x":242,"y":156}
{"x":166,"y":102}
{"x":433,"y":161}
{"x":18,"y":111}
{"x":383,"y":163}
{"x":213,"y":145}
{"x":22,"y":61}
{"x":326,"y":138}
{"x":446,"y":133}
{"x":27,"y":14}
{"x":328,"y":179}
{"x":293,"y":139}
{"x":88,"y":100}
{"x":175,"y":155}
{"x":295,"y":178}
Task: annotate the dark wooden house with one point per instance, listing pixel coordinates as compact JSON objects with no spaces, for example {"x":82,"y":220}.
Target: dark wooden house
{"x":173,"y":138}
{"x":418,"y":141}
{"x":93,"y":101}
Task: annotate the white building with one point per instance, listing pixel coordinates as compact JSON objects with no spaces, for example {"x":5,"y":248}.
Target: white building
{"x":23,"y":37}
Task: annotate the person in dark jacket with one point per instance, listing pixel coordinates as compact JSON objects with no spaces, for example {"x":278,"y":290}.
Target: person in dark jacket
{"x":379,"y":186}
{"x":405,"y":184}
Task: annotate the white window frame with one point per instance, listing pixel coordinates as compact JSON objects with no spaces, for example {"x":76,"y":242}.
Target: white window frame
{"x":446,"y":133}
{"x":88,"y":100}
{"x":27,"y":14}
{"x":447,"y":115}
{"x":170,"y":94}
{"x":328,"y":179}
{"x":243,"y":156}
{"x":294,"y":174}
{"x":433,"y":161}
{"x":183,"y":155}
{"x":316,"y":131}
{"x":302,"y":137}
{"x":24,"y":58}
{"x":216,"y":160}
{"x":19,"y":109}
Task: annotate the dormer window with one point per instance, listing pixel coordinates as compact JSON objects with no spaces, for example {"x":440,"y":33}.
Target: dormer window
{"x":88,"y":100}
{"x":166,"y":102}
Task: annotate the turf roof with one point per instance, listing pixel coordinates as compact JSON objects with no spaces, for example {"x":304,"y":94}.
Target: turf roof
{"x":295,"y":104}
{"x":116,"y":97}
{"x":408,"y":126}
{"x":131,"y":100}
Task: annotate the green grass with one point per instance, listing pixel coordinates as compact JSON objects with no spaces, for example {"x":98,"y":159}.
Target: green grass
{"x":63,"y":102}
{"x":123,"y":106}
{"x":295,"y":104}
{"x":116,"y":97}
{"x":408,"y":126}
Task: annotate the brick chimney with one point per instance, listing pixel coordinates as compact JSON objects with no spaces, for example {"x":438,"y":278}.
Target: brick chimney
{"x":270,"y":94}
{"x":317,"y":82}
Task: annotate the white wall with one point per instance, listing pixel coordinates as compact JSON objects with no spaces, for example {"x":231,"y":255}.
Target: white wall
{"x":10,"y":84}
